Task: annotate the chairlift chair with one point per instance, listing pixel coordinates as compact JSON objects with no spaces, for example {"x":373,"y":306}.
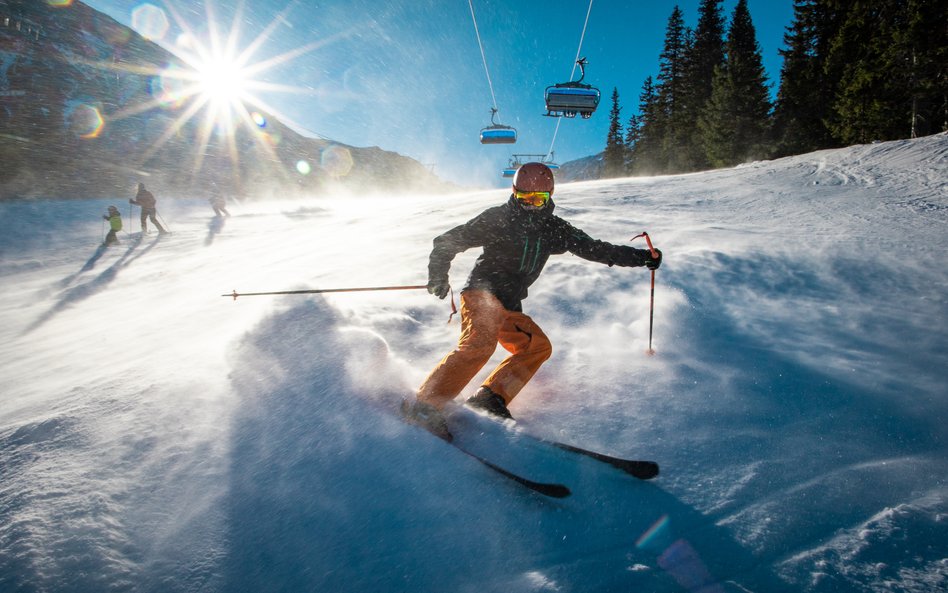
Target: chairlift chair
{"x":498,"y":133}
{"x":512,"y":165}
{"x":566,"y":99}
{"x":549,"y":163}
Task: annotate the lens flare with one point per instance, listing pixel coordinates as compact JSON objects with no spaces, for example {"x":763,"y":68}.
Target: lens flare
{"x":655,"y":537}
{"x":170,"y":88}
{"x":150,"y":22}
{"x":303,"y":167}
{"x":336,"y":160}
{"x":85,"y":120}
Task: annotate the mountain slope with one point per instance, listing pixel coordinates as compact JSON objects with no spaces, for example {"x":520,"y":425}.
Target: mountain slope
{"x":158,"y":436}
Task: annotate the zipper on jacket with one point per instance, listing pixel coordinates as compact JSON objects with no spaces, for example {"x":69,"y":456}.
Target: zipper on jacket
{"x":536,"y":256}
{"x":526,"y":250}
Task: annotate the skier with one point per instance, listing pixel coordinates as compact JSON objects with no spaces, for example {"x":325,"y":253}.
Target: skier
{"x":218,"y":201}
{"x":115,"y":225}
{"x":517,"y":239}
{"x":147,"y":201}
{"x":219,"y":204}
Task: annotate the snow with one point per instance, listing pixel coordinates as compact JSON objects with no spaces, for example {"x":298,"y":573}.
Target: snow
{"x":157,"y":436}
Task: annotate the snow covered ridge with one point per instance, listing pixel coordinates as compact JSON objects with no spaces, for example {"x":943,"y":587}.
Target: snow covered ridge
{"x":157,"y":436}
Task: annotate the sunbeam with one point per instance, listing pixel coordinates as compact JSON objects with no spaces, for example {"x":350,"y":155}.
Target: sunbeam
{"x":217,"y":83}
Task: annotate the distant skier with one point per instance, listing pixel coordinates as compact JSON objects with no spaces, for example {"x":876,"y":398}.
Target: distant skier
{"x":517,"y":239}
{"x":219,"y":203}
{"x":115,"y":225}
{"x":147,"y":201}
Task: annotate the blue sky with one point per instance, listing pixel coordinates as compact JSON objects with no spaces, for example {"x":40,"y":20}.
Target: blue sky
{"x":407,"y":75}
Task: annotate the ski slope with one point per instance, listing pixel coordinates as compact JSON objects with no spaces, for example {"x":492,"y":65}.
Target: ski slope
{"x":156,"y":436}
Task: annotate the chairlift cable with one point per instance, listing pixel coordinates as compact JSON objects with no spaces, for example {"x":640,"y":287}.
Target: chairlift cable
{"x":579,"y":50}
{"x":555,"y":132}
{"x":483,"y":56}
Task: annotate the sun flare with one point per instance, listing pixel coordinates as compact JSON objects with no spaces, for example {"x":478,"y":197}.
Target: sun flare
{"x":222,"y":81}
{"x":217,"y":82}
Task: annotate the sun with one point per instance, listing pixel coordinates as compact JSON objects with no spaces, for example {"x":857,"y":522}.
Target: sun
{"x":222,"y":82}
{"x":217,"y":81}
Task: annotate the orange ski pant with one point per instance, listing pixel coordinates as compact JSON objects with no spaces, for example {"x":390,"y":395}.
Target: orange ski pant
{"x":485,"y":323}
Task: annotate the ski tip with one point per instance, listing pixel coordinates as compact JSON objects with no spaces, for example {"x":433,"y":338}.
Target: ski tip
{"x":648,"y":470}
{"x":553,"y":490}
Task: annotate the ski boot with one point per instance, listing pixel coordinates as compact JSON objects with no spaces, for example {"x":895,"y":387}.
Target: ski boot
{"x":490,"y":402}
{"x":426,"y":416}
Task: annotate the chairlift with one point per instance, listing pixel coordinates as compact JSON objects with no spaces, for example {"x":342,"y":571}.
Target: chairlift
{"x":512,"y":165}
{"x":549,"y":163}
{"x":519,"y":159}
{"x":566,"y":99}
{"x":498,"y":133}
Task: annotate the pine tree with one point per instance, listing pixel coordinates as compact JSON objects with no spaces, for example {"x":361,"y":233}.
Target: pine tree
{"x":705,"y":54}
{"x":736,"y":124}
{"x":924,"y":45}
{"x":671,"y":92}
{"x":645,"y":153}
{"x":633,"y":133}
{"x":613,"y":158}
{"x":803,"y":99}
{"x":872,"y":96}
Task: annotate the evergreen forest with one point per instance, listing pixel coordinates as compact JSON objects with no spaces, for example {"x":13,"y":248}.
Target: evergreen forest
{"x":854,"y":71}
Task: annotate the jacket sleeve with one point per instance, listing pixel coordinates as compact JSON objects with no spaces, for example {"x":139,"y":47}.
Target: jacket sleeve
{"x":581,"y":244}
{"x":452,"y":242}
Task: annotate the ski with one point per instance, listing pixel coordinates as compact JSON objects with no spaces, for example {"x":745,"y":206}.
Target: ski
{"x":643,"y":470}
{"x":550,"y":489}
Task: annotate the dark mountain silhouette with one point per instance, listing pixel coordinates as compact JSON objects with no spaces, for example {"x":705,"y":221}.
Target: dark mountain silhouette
{"x":83,"y":113}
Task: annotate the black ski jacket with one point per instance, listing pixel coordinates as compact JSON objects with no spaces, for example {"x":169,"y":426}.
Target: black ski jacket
{"x":516,"y":244}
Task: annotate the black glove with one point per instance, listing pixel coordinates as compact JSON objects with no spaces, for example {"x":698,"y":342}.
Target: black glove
{"x":654,"y":262}
{"x":439,"y":288}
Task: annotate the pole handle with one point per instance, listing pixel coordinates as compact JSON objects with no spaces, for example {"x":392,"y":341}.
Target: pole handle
{"x":648,"y":240}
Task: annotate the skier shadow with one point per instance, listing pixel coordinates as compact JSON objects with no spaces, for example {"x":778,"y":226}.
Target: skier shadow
{"x":93,"y":286}
{"x":327,"y":492}
{"x":215,"y":226}
{"x":90,"y":264}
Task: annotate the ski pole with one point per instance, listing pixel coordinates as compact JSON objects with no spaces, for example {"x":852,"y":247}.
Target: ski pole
{"x":651,"y":306}
{"x":161,"y":218}
{"x":236,"y":294}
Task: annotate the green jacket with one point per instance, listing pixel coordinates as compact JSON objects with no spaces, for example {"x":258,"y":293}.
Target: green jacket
{"x":115,"y":221}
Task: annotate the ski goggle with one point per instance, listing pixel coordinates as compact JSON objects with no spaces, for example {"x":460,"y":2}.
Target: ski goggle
{"x":537,"y":199}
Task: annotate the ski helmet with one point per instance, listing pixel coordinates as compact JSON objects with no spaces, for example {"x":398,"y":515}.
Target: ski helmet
{"x":533,"y":177}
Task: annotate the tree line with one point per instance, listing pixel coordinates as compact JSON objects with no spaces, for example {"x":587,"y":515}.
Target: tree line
{"x":854,"y":71}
